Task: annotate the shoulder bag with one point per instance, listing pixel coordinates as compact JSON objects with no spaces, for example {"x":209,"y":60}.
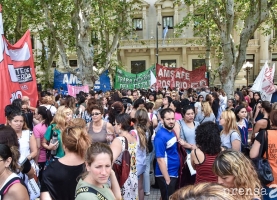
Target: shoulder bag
{"x":122,"y":170}
{"x":91,"y":190}
{"x":261,"y":164}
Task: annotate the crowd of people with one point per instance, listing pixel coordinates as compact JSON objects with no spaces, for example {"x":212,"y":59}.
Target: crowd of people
{"x":195,"y":142}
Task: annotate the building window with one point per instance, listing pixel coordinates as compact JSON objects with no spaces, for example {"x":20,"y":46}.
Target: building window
{"x":54,"y":64}
{"x":168,"y":22}
{"x":137,"y":24}
{"x":274,"y":57}
{"x":73,"y":63}
{"x":169,"y":63}
{"x":196,"y":63}
{"x":198,"y":29}
{"x":138,"y":66}
{"x":250,"y":57}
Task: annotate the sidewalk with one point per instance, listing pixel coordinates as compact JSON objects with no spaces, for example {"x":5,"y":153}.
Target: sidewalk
{"x":154,"y":195}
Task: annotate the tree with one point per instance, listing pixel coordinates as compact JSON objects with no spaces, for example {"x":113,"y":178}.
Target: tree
{"x":225,"y":16}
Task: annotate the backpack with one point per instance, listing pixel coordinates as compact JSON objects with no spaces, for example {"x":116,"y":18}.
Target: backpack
{"x":122,"y":170}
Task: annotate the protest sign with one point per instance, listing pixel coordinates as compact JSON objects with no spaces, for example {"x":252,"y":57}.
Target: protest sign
{"x":74,"y":90}
{"x":126,"y":80}
{"x":17,"y":72}
{"x":180,"y":77}
{"x":103,"y":83}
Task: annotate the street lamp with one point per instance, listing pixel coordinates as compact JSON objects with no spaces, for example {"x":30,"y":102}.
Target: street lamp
{"x":157,"y":43}
{"x":247,"y":66}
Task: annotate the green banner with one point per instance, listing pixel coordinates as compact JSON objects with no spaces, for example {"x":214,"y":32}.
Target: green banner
{"x":126,"y":80}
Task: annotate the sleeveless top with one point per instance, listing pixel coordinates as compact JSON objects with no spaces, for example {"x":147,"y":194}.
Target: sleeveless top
{"x":6,"y":187}
{"x":129,"y":191}
{"x":24,"y":145}
{"x":204,"y":172}
{"x":98,"y":136}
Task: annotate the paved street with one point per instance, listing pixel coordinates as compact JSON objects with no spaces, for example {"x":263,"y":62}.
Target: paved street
{"x":154,"y":195}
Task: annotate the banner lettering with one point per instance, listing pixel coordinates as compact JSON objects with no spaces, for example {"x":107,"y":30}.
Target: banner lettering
{"x":180,"y":77}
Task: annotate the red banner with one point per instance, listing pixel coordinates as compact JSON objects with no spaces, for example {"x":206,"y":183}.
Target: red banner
{"x":180,"y":77}
{"x":17,"y":72}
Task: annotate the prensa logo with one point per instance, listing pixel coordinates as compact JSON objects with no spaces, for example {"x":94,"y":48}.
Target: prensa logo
{"x":24,"y":87}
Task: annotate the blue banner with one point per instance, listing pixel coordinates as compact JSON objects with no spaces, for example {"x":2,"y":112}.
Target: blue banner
{"x":62,"y":79}
{"x":103,"y":83}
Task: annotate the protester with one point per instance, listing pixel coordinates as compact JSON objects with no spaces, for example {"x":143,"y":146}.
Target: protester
{"x":11,"y":187}
{"x":198,"y":104}
{"x":44,"y":116}
{"x":98,"y":129}
{"x":269,"y":145}
{"x":176,"y":107}
{"x":60,"y":121}
{"x":60,"y":177}
{"x":242,"y":122}
{"x":99,"y":158}
{"x":9,"y":137}
{"x":26,"y":138}
{"x":167,"y":155}
{"x":264,"y":123}
{"x":141,"y":132}
{"x":202,"y":191}
{"x":206,"y":114}
{"x":122,"y":127}
{"x":237,"y":173}
{"x":230,"y":137}
{"x":208,"y":147}
{"x":231,"y":105}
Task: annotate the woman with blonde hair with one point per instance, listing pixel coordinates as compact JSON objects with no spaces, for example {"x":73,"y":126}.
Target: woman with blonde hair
{"x":59,"y":180}
{"x":48,"y":102}
{"x":61,"y":119}
{"x":230,"y":137}
{"x":206,"y":113}
{"x":237,"y":173}
{"x":202,"y":191}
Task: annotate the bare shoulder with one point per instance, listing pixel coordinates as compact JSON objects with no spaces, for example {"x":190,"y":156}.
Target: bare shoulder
{"x":17,"y":191}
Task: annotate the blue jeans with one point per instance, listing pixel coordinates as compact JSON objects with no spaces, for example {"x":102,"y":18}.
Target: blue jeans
{"x":269,"y":193}
{"x":146,"y":176}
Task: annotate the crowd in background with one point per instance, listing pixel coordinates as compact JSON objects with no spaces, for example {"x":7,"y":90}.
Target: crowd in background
{"x":70,"y":143}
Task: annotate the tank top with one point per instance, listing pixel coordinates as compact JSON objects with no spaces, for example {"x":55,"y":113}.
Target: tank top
{"x":204,"y":172}
{"x":98,"y":136}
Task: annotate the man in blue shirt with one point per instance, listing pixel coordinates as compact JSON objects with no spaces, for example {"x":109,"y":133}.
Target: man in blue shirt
{"x":167,"y":155}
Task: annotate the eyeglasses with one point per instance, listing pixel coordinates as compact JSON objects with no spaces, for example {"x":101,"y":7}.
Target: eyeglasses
{"x":96,"y":114}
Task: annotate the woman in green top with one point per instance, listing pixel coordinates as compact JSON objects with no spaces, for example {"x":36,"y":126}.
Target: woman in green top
{"x":62,"y":117}
{"x":93,"y":184}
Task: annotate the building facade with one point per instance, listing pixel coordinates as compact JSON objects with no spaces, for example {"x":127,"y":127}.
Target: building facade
{"x":150,"y":18}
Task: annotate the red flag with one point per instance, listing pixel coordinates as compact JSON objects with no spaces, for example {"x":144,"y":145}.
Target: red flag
{"x":17,"y":70}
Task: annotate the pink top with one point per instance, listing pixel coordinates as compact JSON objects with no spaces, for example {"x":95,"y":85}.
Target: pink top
{"x":178,"y":116}
{"x":39,"y":131}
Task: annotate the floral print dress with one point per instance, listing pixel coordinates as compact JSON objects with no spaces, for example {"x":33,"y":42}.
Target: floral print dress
{"x":129,"y":190}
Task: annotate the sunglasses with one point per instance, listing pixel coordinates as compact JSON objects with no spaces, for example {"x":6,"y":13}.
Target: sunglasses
{"x":96,"y":114}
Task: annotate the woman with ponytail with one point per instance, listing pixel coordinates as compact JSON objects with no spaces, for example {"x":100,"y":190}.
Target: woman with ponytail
{"x":11,"y":186}
{"x":44,"y":117}
{"x":60,"y":177}
{"x":141,"y":133}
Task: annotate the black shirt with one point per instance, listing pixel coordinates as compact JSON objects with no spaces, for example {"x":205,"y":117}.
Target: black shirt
{"x":125,"y":101}
{"x":61,"y":180}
